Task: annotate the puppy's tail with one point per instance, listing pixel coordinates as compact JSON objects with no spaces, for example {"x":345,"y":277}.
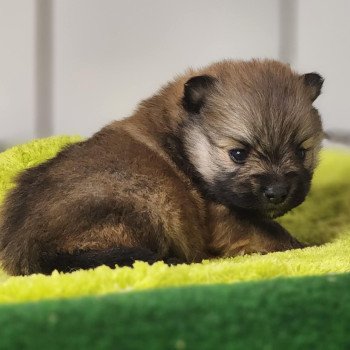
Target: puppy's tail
{"x":88,"y":259}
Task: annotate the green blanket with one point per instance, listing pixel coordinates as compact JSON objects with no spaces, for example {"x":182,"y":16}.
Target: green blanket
{"x":306,"y":313}
{"x":226,"y":314}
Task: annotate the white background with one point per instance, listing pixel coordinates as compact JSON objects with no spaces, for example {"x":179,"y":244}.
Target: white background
{"x":104,"y":56}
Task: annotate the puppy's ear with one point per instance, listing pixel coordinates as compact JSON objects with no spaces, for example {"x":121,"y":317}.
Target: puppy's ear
{"x":195,"y":91}
{"x":314,"y":82}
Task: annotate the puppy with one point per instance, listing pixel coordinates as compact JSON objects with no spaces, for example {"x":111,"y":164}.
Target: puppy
{"x":200,"y":170}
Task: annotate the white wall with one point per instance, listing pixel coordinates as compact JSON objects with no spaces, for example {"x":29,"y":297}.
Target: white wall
{"x":110,"y":54}
{"x":17,"y":71}
{"x":323,"y":36}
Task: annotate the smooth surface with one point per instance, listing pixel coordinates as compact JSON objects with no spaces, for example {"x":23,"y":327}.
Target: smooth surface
{"x":73,"y":66}
{"x":323,"y":37}
{"x":17,"y":71}
{"x":111,"y":54}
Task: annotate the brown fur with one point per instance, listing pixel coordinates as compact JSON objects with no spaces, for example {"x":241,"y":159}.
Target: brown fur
{"x":155,"y":180}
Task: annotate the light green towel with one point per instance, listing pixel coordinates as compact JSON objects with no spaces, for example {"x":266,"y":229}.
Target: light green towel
{"x":323,"y":218}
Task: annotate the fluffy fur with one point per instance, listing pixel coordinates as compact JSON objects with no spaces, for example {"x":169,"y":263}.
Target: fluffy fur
{"x":162,"y":184}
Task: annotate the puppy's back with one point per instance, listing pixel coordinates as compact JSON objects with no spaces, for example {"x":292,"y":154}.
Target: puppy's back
{"x":108,"y":192}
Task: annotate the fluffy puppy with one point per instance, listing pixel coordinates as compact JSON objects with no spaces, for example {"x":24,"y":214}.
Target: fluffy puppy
{"x":200,"y":170}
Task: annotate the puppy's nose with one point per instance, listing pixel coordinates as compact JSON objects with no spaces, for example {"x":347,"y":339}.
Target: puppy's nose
{"x":276,"y":193}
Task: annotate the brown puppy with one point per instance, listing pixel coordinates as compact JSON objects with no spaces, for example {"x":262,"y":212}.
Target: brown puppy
{"x":200,"y":170}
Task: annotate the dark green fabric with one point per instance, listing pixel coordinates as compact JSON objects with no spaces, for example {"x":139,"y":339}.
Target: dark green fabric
{"x":302,"y":313}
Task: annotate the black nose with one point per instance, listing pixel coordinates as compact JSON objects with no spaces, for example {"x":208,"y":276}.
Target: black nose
{"x":276,"y":193}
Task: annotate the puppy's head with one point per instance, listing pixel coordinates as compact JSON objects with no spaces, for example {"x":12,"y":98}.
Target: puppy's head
{"x":252,"y":134}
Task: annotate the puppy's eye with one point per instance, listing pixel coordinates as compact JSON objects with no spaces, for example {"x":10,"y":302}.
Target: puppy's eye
{"x":238,"y":155}
{"x":301,"y":153}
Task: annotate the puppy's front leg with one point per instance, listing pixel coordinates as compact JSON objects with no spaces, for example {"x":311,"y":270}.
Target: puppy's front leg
{"x":232,"y":235}
{"x":263,"y":237}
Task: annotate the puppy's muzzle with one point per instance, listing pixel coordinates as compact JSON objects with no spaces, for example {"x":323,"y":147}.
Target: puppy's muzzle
{"x":275,"y":193}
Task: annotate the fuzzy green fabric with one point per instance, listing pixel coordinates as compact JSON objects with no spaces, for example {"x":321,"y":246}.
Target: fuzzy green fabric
{"x":105,"y":309}
{"x":304,"y":313}
{"x":324,"y":217}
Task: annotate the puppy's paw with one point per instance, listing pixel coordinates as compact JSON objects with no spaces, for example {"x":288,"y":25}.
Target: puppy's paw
{"x":295,"y":244}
